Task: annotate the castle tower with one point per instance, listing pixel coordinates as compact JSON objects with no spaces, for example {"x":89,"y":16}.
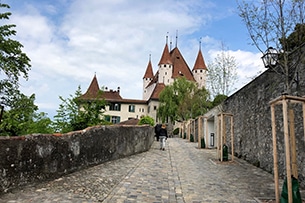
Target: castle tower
{"x":199,"y":70}
{"x":165,"y":67}
{"x":147,"y":78}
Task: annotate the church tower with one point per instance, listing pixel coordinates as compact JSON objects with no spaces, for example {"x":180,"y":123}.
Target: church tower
{"x":165,"y":67}
{"x":200,"y":70}
{"x":147,"y":78}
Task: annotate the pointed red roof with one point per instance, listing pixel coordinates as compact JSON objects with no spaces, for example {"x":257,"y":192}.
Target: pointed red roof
{"x":149,"y":71}
{"x":165,"y":59}
{"x":199,"y":64}
{"x":180,"y":67}
{"x":93,"y":90}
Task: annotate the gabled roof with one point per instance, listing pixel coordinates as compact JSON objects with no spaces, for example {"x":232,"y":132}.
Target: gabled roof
{"x":180,"y":67}
{"x":199,"y":63}
{"x":149,"y":71}
{"x":165,"y":59}
{"x":155,"y":94}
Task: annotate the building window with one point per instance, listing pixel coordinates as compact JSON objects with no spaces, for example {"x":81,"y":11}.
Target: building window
{"x":115,"y":107}
{"x":148,"y":109}
{"x":155,"y":107}
{"x":115,"y":119}
{"x":165,"y":73}
{"x":200,"y":71}
{"x":164,"y":65}
{"x":131,"y":108}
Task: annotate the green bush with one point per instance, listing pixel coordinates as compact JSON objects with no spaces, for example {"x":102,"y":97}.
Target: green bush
{"x":146,"y":120}
{"x":176,"y":131}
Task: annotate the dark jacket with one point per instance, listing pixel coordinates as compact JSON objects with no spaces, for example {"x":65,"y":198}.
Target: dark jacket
{"x":163,"y":132}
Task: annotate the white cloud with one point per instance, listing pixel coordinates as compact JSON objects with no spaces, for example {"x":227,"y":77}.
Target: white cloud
{"x":111,"y":38}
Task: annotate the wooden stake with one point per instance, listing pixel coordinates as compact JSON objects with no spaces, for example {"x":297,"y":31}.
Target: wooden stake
{"x":275,"y":158}
{"x":232,"y":139}
{"x":287,"y":151}
{"x":293,"y":143}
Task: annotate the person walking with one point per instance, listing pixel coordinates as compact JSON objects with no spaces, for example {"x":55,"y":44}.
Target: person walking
{"x":157,"y":131}
{"x":162,"y":136}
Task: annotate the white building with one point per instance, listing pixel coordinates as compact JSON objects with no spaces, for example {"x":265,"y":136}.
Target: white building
{"x":171,"y":66}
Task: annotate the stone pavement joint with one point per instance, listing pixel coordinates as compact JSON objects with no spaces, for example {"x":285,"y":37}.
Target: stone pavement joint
{"x":180,"y":174}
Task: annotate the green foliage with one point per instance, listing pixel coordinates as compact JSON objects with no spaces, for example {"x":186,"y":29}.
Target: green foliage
{"x":146,"y":120}
{"x":182,"y":100}
{"x":76,"y":114}
{"x":176,"y":131}
{"x":219,"y":99}
{"x":21,"y":118}
{"x":13,"y":62}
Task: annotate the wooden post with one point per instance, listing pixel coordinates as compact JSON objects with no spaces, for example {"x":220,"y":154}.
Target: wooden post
{"x":199,"y":132}
{"x":218,"y":137}
{"x":221,"y":136}
{"x":292,"y":143}
{"x":304,"y":118}
{"x":275,"y":158}
{"x":206,"y":133}
{"x":287,"y":150}
{"x":232,"y":139}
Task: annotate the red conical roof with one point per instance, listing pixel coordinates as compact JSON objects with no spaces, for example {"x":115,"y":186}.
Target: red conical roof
{"x":165,"y":59}
{"x":149,"y":71}
{"x":93,"y":90}
{"x":199,"y":64}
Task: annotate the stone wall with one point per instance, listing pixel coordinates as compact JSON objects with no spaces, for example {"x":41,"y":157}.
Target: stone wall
{"x":252,"y":122}
{"x":34,"y":158}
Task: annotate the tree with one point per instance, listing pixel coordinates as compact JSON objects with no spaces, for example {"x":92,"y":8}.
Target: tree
{"x":182,"y":100}
{"x":76,"y":114}
{"x":277,"y":24}
{"x":222,"y":73}
{"x":13,"y":62}
{"x":22,"y":117}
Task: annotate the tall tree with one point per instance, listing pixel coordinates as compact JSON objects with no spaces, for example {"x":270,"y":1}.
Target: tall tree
{"x":269,"y":23}
{"x":182,"y":100}
{"x":13,"y":62}
{"x":222,"y":73}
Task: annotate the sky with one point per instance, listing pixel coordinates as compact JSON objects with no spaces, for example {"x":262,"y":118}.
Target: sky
{"x":69,"y":41}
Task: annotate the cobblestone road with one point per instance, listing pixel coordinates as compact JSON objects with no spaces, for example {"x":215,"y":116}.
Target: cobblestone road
{"x":180,"y":174}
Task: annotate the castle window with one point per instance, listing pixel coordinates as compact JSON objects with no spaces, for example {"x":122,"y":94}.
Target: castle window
{"x":200,"y":71}
{"x":115,"y":107}
{"x":131,"y":108}
{"x":115,"y":119}
{"x":165,"y":73}
{"x":164,"y":65}
{"x":195,"y":71}
{"x":148,"y":109}
{"x":155,"y":107}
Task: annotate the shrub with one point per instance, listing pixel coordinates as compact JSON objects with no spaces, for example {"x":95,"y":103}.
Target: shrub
{"x":146,"y":120}
{"x":176,"y":131}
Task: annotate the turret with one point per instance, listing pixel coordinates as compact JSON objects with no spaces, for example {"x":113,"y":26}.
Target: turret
{"x":147,"y":78}
{"x":165,"y":67}
{"x":199,"y":70}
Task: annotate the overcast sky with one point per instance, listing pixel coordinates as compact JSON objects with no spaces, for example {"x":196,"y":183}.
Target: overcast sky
{"x":68,"y":41}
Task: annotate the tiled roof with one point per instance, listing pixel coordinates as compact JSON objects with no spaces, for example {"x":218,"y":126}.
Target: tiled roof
{"x":159,"y":87}
{"x":133,"y":121}
{"x":112,"y":95}
{"x":93,"y":90}
{"x":199,"y":64}
{"x":180,"y":67}
{"x":165,"y":59}
{"x":149,"y":71}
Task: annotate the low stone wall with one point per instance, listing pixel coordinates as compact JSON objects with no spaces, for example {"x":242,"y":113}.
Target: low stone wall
{"x":39,"y":157}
